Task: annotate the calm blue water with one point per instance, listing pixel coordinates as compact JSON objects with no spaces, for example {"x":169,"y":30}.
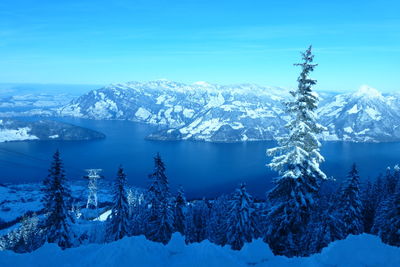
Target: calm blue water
{"x":203,"y":169}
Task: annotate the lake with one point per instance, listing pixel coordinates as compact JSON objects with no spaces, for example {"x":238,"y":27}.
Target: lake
{"x":203,"y":169}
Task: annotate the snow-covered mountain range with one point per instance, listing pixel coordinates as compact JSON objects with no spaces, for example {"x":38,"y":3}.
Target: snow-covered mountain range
{"x":16,"y":130}
{"x":210,"y":112}
{"x":365,"y":115}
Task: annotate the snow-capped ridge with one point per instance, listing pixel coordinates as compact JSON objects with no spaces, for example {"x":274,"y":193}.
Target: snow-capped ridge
{"x":211,"y":112}
{"x":367,"y":91}
{"x":202,"y":83}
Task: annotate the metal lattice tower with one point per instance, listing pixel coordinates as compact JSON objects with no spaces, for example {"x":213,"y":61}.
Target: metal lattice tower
{"x":93,"y":176}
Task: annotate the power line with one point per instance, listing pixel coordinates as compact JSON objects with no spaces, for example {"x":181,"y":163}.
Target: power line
{"x":74,"y":170}
{"x":24,"y":165}
{"x":22,"y":154}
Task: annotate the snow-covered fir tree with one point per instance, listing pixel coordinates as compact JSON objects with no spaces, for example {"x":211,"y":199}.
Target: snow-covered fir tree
{"x":377,"y":197}
{"x":180,"y":211}
{"x":390,"y":230}
{"x":326,"y":227}
{"x":350,"y":204}
{"x":387,"y":190}
{"x":390,"y":181}
{"x":196,"y":224}
{"x":369,"y":203}
{"x":396,"y":174}
{"x":137,"y":211}
{"x":56,"y":200}
{"x":326,"y":224}
{"x":217,"y":226}
{"x":31,"y":233}
{"x":160,"y":217}
{"x":26,"y":238}
{"x":118,"y":225}
{"x":297,"y":160}
{"x":242,"y":219}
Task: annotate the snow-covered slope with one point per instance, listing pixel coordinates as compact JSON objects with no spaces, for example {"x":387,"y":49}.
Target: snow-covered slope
{"x":365,"y":115}
{"x":14,"y":130}
{"x":19,"y":199}
{"x":355,"y":251}
{"x":209,"y":112}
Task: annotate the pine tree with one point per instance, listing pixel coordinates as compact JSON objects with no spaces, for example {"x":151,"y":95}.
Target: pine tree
{"x":217,"y":226}
{"x":137,"y":212}
{"x":396,"y":175}
{"x":242,"y":219}
{"x":369,"y":204}
{"x":379,"y":196}
{"x":350,"y":204}
{"x":179,"y":211}
{"x":387,"y":189}
{"x":196,"y":224}
{"x":390,"y":182}
{"x":56,"y":199}
{"x":31,"y":233}
{"x":390,"y":231}
{"x":160,"y":217}
{"x":26,"y":238}
{"x":325,"y":227}
{"x":326,"y":224}
{"x":297,"y":160}
{"x":118,"y":224}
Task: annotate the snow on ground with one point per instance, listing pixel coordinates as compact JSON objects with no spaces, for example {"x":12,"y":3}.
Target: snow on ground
{"x":374,"y":114}
{"x":142,"y":113}
{"x":362,"y":250}
{"x":348,"y":129}
{"x":17,"y":199}
{"x":104,"y":216}
{"x":353,"y":110}
{"x":16,"y":134}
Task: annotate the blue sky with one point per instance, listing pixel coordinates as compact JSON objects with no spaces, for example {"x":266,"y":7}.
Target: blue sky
{"x":100,"y":42}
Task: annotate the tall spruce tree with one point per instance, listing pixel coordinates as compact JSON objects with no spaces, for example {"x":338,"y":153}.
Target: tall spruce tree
{"x":137,"y":212}
{"x":217,"y":226}
{"x":160,"y":217}
{"x":118,"y":224}
{"x":369,"y":204}
{"x":242,"y":219}
{"x":325,"y":228}
{"x":297,"y":160}
{"x":350,"y":204}
{"x":180,"y":211}
{"x":390,"y":182}
{"x":56,"y":200}
{"x":390,"y":230}
{"x":386,"y":189}
{"x":26,"y":238}
{"x":196,"y":224}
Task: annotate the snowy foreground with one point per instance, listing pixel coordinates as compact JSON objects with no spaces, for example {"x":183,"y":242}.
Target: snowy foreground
{"x":362,"y":250}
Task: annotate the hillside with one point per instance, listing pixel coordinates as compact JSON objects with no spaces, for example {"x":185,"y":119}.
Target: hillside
{"x":16,"y":130}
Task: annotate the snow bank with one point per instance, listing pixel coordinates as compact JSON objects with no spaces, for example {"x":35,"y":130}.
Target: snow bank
{"x":362,"y":250}
{"x":19,"y":134}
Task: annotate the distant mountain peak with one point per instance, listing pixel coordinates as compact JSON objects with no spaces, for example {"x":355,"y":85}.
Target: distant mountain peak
{"x":367,"y":91}
{"x":202,"y":83}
